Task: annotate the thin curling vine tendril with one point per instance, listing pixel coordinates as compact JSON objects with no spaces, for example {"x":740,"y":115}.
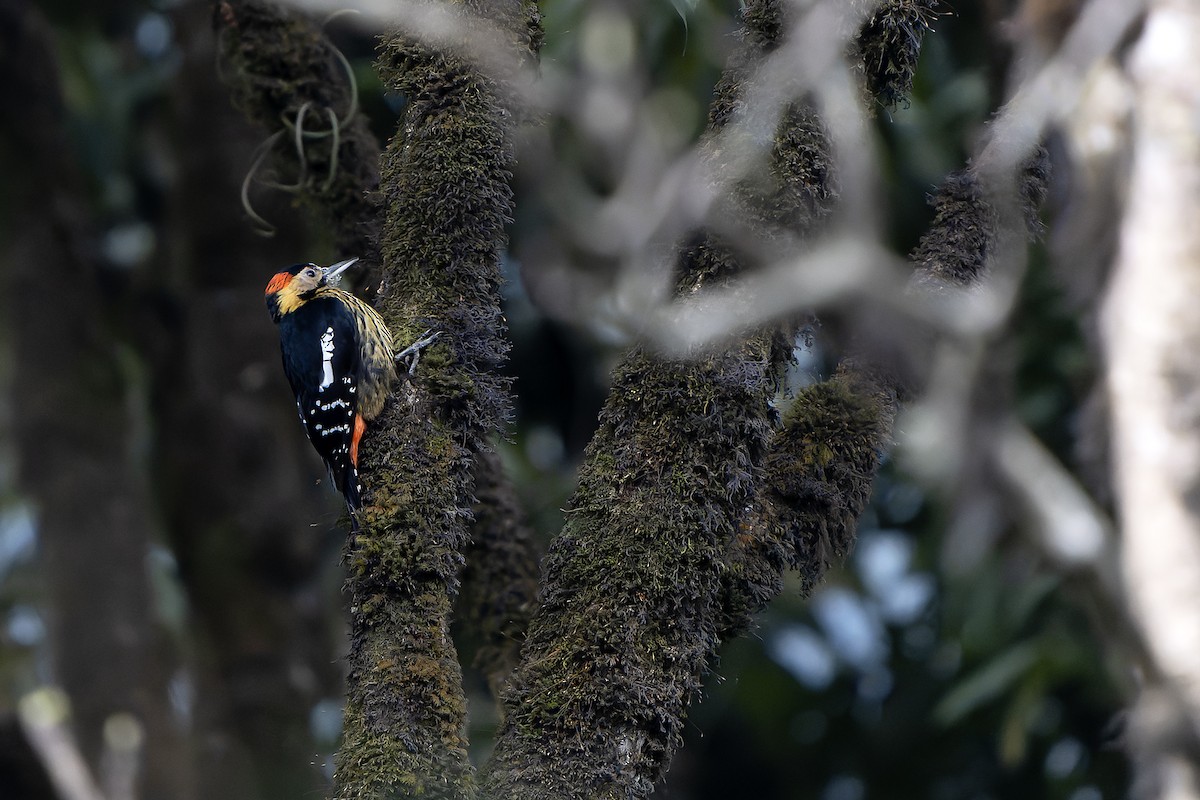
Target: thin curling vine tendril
{"x":336,"y":123}
{"x":335,"y":128}
{"x":303,"y":180}
{"x":264,"y":228}
{"x":300,"y":144}
{"x":299,"y":136}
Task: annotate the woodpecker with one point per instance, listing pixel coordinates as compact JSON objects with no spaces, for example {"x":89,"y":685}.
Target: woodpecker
{"x":340,"y":359}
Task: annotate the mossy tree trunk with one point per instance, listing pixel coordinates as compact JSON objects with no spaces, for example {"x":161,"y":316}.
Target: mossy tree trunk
{"x":690,"y":506}
{"x":445,"y":179}
{"x":440,"y":222}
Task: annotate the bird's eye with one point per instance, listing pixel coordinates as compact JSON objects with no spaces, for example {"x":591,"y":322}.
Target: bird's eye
{"x":312,"y":273}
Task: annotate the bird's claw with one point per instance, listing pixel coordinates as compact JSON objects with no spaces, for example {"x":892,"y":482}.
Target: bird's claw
{"x":412,"y":353}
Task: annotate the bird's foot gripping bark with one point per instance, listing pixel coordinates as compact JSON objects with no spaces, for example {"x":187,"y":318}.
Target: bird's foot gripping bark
{"x":411,"y":355}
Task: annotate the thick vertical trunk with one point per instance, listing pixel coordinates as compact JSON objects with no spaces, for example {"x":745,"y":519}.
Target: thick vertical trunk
{"x":445,"y":181}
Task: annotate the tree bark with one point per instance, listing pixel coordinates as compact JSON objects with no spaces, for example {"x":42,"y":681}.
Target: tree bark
{"x":445,"y":180}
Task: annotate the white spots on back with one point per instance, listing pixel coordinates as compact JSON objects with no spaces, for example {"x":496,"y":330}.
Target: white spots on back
{"x":326,"y":359}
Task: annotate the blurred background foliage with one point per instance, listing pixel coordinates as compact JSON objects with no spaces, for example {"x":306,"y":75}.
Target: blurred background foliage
{"x":945,"y":660}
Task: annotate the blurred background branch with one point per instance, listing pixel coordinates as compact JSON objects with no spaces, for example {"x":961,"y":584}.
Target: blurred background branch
{"x":1150,"y":329}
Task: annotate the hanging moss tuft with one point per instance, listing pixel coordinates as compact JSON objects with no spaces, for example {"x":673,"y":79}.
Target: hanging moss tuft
{"x":821,"y":468}
{"x":889,"y":45}
{"x":956,"y":247}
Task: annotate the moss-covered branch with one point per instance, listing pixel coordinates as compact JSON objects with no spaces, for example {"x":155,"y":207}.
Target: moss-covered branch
{"x":821,"y":463}
{"x":634,"y":597}
{"x":630,"y":603}
{"x":287,"y":77}
{"x":956,"y":249}
{"x":626,"y":625}
{"x":817,"y":478}
{"x":445,"y":185}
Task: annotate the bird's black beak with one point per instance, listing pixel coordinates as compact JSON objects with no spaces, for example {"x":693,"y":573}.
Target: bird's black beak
{"x":333,"y":274}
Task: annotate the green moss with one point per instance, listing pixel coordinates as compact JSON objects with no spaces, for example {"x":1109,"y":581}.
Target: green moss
{"x":626,"y":627}
{"x":446,"y":200}
{"x":499,"y":583}
{"x":816,"y":481}
{"x":792,"y":192}
{"x":956,"y":246}
{"x":762,"y":23}
{"x":821,"y":468}
{"x":393,"y":772}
